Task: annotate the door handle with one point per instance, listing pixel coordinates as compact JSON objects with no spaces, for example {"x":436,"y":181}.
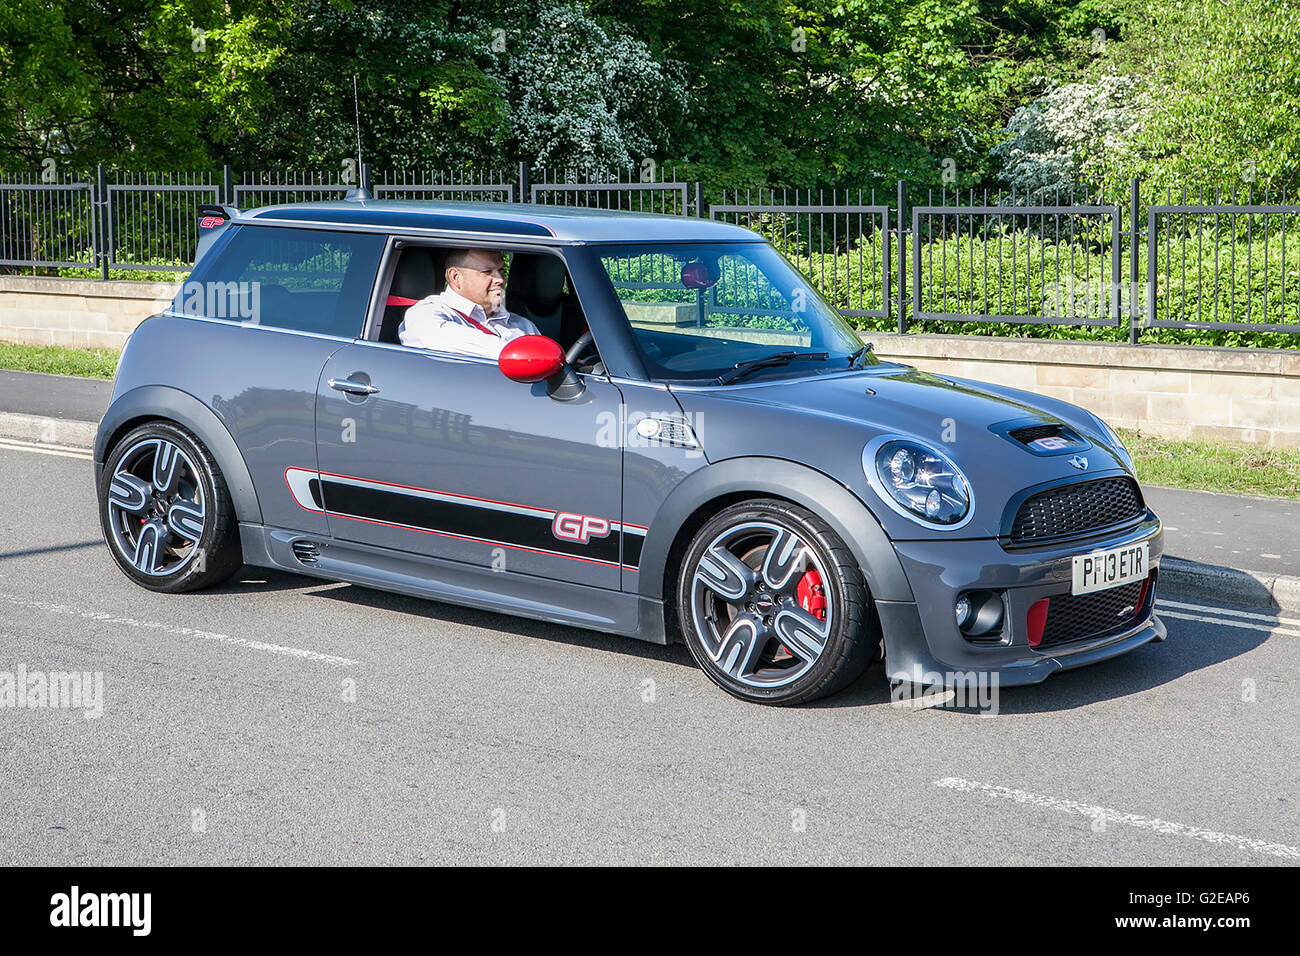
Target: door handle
{"x":353,"y":388}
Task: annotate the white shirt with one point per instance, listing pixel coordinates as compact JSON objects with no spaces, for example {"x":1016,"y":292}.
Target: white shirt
{"x":442,"y":322}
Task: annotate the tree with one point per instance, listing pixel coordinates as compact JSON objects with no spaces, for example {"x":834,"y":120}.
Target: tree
{"x":583,"y":93}
{"x":1216,"y":84}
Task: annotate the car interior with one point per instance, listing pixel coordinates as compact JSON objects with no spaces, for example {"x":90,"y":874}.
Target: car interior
{"x":537,"y":288}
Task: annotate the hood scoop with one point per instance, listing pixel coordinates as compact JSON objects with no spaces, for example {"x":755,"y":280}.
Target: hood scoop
{"x":1040,"y":437}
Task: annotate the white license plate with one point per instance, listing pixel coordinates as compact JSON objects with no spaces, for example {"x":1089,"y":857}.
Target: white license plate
{"x":1109,"y":569}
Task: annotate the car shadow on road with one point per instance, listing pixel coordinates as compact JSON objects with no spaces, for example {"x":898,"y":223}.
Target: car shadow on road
{"x":251,"y":580}
{"x":1190,"y":647}
{"x":1148,"y":667}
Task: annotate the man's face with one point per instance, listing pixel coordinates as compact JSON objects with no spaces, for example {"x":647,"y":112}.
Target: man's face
{"x":481,"y":279}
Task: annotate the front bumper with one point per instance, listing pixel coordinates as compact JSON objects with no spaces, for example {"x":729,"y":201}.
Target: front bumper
{"x":922,"y":640}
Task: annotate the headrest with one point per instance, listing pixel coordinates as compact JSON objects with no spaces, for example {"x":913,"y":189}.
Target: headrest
{"x":419,"y":273}
{"x":537,"y":282}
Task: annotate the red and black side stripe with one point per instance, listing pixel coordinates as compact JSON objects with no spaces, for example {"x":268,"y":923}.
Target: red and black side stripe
{"x":435,"y":512}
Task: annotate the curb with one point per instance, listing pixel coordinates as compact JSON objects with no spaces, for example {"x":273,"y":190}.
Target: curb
{"x":48,"y":431}
{"x":1271,"y":592}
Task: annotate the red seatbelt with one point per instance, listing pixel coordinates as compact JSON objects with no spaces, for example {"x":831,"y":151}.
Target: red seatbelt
{"x":481,"y":328}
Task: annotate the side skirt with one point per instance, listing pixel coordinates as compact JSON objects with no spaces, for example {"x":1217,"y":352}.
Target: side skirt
{"x":576,"y":605}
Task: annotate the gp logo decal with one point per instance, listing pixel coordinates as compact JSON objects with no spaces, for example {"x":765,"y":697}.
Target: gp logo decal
{"x":561,"y":533}
{"x":571,"y":527}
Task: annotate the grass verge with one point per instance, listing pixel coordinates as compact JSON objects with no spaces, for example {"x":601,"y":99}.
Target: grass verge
{"x":55,"y":360}
{"x":1215,"y":465}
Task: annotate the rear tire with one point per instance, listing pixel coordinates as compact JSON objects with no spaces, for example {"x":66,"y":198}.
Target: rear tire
{"x":751,"y":613}
{"x":166,"y":512}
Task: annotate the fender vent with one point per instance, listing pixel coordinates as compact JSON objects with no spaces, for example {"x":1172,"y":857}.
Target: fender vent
{"x":307,"y":552}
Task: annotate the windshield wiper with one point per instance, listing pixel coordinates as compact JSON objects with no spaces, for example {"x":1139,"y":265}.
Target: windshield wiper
{"x":853,"y":359}
{"x":780,"y":358}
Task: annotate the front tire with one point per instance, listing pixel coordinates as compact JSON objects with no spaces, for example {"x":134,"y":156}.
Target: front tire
{"x":773,"y":606}
{"x":166,"y":512}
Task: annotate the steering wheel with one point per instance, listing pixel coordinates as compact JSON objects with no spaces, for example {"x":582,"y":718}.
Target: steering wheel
{"x":584,"y":347}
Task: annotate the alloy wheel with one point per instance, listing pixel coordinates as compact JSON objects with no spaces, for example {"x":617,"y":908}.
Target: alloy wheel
{"x":759,"y":604}
{"x":157,"y":510}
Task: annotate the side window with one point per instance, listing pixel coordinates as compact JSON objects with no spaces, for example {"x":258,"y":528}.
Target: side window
{"x":306,"y":280}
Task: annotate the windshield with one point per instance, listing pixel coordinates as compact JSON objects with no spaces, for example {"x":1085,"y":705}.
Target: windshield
{"x":700,"y":310}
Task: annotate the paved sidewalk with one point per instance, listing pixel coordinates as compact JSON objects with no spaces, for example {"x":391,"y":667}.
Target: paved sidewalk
{"x":1204,"y":531}
{"x":55,"y":396}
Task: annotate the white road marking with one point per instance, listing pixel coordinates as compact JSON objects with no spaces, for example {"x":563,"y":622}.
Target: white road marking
{"x":1115,"y":816}
{"x":181,"y":631}
{"x":935,"y":698}
{"x":1275,"y":557}
{"x":62,"y":451}
{"x":1231,"y":623}
{"x":1229,"y":612}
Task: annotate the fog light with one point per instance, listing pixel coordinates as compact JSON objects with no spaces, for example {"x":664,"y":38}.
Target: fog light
{"x":963,"y":610}
{"x":979,"y":615}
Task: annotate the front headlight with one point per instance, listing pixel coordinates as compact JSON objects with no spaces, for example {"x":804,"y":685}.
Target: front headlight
{"x":918,"y":482}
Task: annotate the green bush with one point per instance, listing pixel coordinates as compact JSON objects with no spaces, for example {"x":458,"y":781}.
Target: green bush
{"x":1022,"y":274}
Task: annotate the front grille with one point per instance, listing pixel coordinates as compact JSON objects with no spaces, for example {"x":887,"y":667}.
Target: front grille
{"x":1091,"y":616}
{"x":1077,"y":509}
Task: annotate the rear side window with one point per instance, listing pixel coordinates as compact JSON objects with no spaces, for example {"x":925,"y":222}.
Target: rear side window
{"x":307,"y":280}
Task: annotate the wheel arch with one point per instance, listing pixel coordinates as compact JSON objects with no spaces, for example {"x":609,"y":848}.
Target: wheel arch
{"x":707,"y":491}
{"x":162,"y":403}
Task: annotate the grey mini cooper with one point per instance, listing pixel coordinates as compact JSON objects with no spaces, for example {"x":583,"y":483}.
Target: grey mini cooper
{"x":697,"y":448}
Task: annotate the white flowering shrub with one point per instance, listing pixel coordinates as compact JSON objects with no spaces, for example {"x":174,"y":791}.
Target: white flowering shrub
{"x":581,"y":95}
{"x":1066,"y":138}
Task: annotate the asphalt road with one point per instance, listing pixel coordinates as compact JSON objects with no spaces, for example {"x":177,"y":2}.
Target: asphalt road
{"x":285,"y":720}
{"x":1234,"y":531}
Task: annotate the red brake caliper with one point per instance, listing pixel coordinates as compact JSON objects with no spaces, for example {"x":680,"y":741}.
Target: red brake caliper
{"x":812,"y":596}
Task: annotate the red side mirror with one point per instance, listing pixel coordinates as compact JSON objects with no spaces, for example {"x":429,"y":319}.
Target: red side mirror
{"x":531,"y":358}
{"x":698,"y":275}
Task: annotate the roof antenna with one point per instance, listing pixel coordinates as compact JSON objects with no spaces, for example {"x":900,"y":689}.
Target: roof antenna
{"x":358,"y":193}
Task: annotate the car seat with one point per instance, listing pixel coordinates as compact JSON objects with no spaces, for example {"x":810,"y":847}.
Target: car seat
{"x":419,"y":274}
{"x":536,"y":291}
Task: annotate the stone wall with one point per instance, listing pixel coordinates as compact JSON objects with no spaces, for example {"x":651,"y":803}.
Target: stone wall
{"x":83,"y":313}
{"x":1246,"y":395}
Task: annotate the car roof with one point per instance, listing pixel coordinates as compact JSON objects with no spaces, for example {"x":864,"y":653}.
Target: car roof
{"x":537,"y":222}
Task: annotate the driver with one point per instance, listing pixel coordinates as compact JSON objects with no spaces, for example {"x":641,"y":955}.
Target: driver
{"x":468,"y":317}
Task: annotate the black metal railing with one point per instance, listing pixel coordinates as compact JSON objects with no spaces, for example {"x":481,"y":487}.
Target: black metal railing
{"x":1134,"y":262}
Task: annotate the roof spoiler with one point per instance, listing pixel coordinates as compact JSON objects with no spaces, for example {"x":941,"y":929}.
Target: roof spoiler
{"x":213,"y":220}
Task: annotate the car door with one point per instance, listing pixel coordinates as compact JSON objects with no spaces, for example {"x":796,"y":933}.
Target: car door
{"x":442,"y":455}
